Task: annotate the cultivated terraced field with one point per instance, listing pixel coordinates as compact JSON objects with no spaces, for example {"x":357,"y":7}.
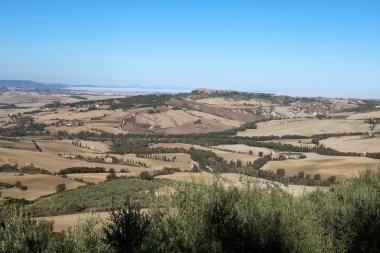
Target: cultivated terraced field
{"x":306,"y":127}
{"x":353,"y":144}
{"x":38,"y":185}
{"x":215,"y":129}
{"x":342,"y":167}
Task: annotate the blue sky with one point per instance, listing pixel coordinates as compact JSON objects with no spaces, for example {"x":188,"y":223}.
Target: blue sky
{"x":308,"y":47}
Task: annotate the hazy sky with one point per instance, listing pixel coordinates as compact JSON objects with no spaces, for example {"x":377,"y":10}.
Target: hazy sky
{"x":307,"y":47}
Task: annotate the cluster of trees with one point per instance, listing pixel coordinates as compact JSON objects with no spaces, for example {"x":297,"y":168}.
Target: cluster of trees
{"x":139,"y":144}
{"x":112,"y":174}
{"x":373,"y":122}
{"x":208,"y":159}
{"x":77,"y":143}
{"x":260,"y":162}
{"x":8,"y":106}
{"x":165,"y":171}
{"x":60,"y":188}
{"x":237,"y":95}
{"x":140,"y":101}
{"x":32,"y":112}
{"x":157,"y":157}
{"x":138,"y":163}
{"x":19,"y":185}
{"x":367,"y":106}
{"x":373,"y":155}
{"x":299,"y":179}
{"x":28,"y":169}
{"x":201,"y":218}
{"x":24,"y":126}
{"x":37,"y":146}
{"x":73,"y":170}
{"x":5,"y":185}
{"x":4,"y":138}
{"x":125,"y":145}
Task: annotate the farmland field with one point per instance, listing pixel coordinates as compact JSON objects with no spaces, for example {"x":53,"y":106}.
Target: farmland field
{"x":38,"y":186}
{"x":108,"y":150}
{"x":190,"y":126}
{"x":353,"y":144}
{"x":306,"y":127}
{"x":62,"y":222}
{"x":326,"y":166}
{"x":102,"y":196}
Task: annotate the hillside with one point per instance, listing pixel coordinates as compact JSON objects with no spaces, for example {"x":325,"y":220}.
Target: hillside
{"x":55,"y":153}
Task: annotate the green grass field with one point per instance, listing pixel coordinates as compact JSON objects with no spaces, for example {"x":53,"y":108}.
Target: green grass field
{"x":99,"y":196}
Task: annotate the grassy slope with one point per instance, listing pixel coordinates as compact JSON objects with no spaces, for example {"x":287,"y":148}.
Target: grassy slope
{"x":99,"y":196}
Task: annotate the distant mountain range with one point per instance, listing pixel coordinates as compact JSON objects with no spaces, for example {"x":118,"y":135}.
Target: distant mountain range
{"x":31,"y":84}
{"x":129,"y":87}
{"x":39,"y":85}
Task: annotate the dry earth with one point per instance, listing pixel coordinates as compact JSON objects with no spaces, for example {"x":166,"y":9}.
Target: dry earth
{"x":230,"y":103}
{"x":38,"y":185}
{"x":365,"y":115}
{"x":234,"y":179}
{"x":306,"y":127}
{"x":62,"y":222}
{"x":50,"y":161}
{"x":244,"y":149}
{"x":353,"y":144}
{"x":94,"y":177}
{"x":295,"y":190}
{"x":227,"y":155}
{"x":198,"y":177}
{"x":340,"y":166}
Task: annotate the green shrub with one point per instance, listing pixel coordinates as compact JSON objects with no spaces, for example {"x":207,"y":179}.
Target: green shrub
{"x":195,"y":168}
{"x":72,"y":170}
{"x":127,"y":227}
{"x":83,"y":237}
{"x":20,"y":234}
{"x":215,"y":219}
{"x":280,"y":172}
{"x":146,"y":175}
{"x":111,"y":176}
{"x":98,"y":195}
{"x":60,"y":188}
{"x":209,"y":218}
{"x":18,"y":184}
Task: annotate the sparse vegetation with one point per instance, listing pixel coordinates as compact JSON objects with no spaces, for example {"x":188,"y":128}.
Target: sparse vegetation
{"x":218,"y":219}
{"x":194,"y":217}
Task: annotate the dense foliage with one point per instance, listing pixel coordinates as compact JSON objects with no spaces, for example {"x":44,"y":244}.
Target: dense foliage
{"x":202,"y":218}
{"x":98,"y":196}
{"x":24,"y":126}
{"x":29,"y":169}
{"x":72,"y":170}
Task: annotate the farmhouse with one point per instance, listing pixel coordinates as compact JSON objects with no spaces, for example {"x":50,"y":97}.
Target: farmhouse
{"x":164,"y":191}
{"x":286,"y":156}
{"x":108,"y":159}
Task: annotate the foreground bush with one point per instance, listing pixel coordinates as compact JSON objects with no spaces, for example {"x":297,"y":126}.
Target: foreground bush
{"x":80,"y":238}
{"x":18,"y":233}
{"x":216,"y":219}
{"x":201,"y":218}
{"x":127,"y":229}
